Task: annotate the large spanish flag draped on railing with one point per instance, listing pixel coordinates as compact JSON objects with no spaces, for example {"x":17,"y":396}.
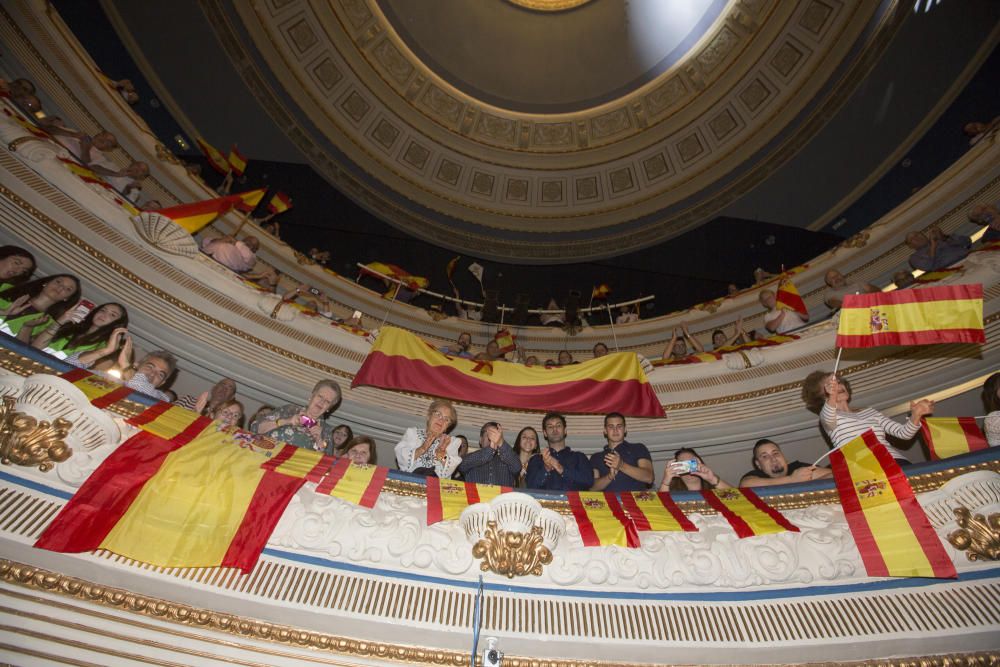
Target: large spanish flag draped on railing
{"x":190,"y":501}
{"x":616,"y":382}
{"x":945,"y":314}
{"x":890,"y":528}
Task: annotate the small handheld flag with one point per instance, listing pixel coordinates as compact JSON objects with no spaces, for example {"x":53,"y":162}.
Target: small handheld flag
{"x":216,"y":159}
{"x":237,"y":161}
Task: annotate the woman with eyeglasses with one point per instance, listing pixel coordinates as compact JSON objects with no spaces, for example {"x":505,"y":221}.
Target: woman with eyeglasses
{"x":430,"y":451}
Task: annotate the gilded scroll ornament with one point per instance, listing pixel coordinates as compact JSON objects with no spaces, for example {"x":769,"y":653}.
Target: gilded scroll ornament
{"x":977,"y":535}
{"x":26,"y":441}
{"x":513,"y":554}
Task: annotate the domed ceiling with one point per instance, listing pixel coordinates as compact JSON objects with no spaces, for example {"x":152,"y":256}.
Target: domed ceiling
{"x":550,"y":136}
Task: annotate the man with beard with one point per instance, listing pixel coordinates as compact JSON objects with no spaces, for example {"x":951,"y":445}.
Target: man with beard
{"x":771,"y":468}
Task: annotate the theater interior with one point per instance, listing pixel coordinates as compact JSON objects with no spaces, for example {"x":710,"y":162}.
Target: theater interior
{"x":663,"y":149}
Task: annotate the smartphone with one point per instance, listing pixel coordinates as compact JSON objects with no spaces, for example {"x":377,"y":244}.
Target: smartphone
{"x":356,"y":315}
{"x":314,"y":291}
{"x":81,"y":311}
{"x":685,"y":467}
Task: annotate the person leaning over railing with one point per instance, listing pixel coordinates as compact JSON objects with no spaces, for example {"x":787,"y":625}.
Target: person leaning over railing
{"x":678,"y":476}
{"x":91,"y":333}
{"x":302,"y":427}
{"x":30,"y":308}
{"x":229,"y":414}
{"x":829,"y":396}
{"x":430,"y":451}
{"x":16,"y":266}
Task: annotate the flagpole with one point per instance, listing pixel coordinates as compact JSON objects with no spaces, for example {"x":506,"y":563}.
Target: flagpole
{"x":395,"y":293}
{"x":611,"y":321}
{"x":246,"y":216}
{"x":836,"y":365}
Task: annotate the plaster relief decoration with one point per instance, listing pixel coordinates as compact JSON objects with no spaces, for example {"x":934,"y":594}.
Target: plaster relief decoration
{"x":164,"y":234}
{"x":512,"y":534}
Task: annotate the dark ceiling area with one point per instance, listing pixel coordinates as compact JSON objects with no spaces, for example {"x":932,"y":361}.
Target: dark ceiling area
{"x":694,"y":267}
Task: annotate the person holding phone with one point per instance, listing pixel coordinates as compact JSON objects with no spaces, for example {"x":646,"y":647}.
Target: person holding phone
{"x":688,"y":472}
{"x":302,"y":426}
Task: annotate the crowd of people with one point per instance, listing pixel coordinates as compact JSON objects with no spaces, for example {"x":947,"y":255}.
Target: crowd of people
{"x":48,"y":313}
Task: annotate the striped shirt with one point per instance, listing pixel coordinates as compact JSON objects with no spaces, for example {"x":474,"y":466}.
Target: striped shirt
{"x":842,"y":427}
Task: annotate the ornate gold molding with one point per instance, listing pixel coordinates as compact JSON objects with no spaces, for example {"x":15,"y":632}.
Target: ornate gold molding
{"x":512,"y":554}
{"x":977,"y":535}
{"x":25,"y":441}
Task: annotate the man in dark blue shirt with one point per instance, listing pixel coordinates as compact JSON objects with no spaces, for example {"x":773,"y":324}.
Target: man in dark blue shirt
{"x":558,"y":468}
{"x":494,"y":462}
{"x":621,"y":465}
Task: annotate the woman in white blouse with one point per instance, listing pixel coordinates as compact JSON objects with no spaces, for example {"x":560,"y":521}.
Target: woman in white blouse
{"x":430,"y":451}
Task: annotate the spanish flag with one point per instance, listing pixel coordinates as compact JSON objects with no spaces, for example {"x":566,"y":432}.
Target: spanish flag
{"x":616,"y":382}
{"x":101,"y":392}
{"x":769,"y":341}
{"x":696,"y":358}
{"x":601,"y":519}
{"x":446,"y":498}
{"x":381,"y":270}
{"x":600,"y":292}
{"x":747,"y":513}
{"x":951,"y":436}
{"x":279,"y":203}
{"x":237,"y":161}
{"x":889,"y":526}
{"x":84,"y":173}
{"x":945,"y":314}
{"x":293,"y":461}
{"x":655,"y":511}
{"x":169,"y":421}
{"x":358,"y":484}
{"x":216,"y":159}
{"x":506,"y":340}
{"x":202,"y":503}
{"x":787,"y":298}
{"x":248,"y":201}
{"x":196,"y":215}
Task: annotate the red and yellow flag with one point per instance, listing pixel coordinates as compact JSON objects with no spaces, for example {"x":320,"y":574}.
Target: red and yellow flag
{"x":616,"y":382}
{"x":446,"y":498}
{"x":293,"y":461}
{"x":787,"y":298}
{"x":381,"y":270}
{"x":696,"y":358}
{"x":202,"y":503}
{"x":506,"y":340}
{"x":237,"y":161}
{"x":358,"y":484}
{"x":600,"y":292}
{"x":84,"y":173}
{"x":951,"y":436}
{"x":279,"y":203}
{"x":945,"y":314}
{"x":601,"y":519}
{"x":170,"y":421}
{"x":216,"y":159}
{"x":655,"y":511}
{"x":889,"y":526}
{"x":248,"y":201}
{"x":101,"y":392}
{"x":196,"y":215}
{"x":747,"y":513}
{"x":769,"y":341}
